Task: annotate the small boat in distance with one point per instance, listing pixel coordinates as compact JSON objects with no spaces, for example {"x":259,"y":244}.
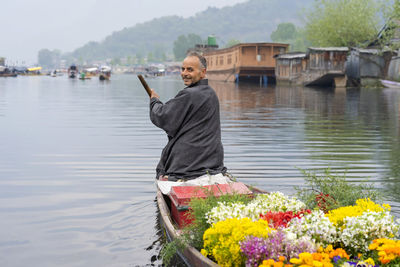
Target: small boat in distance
{"x":6,"y":72}
{"x":390,"y":84}
{"x":83,"y":76}
{"x":72,"y":71}
{"x":105,"y":73}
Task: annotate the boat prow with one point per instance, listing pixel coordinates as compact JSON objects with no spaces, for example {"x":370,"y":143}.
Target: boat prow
{"x":190,"y":255}
{"x":390,"y":84}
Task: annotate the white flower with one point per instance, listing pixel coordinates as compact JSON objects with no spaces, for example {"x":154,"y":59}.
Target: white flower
{"x":262,"y":203}
{"x":358,"y":232}
{"x":315,"y":226}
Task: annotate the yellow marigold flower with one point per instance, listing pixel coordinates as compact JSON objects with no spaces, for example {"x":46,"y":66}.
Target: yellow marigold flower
{"x":373,"y":246}
{"x":317,"y":264}
{"x":362,"y":205}
{"x":307,"y":258}
{"x":296,"y":261}
{"x":370,"y":261}
{"x":268,"y":263}
{"x":221,"y":240}
{"x":204,"y":252}
{"x":381,"y":253}
{"x":278,"y":264}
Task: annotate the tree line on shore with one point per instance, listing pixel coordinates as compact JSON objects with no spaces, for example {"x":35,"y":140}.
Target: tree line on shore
{"x":308,"y":23}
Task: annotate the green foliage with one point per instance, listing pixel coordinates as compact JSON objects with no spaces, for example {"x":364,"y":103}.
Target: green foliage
{"x":390,"y":34}
{"x":183,"y":43}
{"x":396,"y":10}
{"x":231,"y":43}
{"x":343,"y":22}
{"x":288,"y":33}
{"x":284,"y":32}
{"x":335,"y":190}
{"x":169,"y":250}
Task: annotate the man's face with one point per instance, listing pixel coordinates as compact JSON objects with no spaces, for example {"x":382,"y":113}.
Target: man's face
{"x":191,"y":71}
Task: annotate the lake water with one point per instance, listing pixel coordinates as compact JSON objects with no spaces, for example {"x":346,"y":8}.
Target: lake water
{"x":78,"y":158}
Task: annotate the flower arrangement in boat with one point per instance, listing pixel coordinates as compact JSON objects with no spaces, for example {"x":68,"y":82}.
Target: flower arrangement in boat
{"x":302,"y":238}
{"x":278,"y":230}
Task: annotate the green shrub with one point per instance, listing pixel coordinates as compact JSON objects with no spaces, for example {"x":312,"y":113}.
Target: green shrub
{"x":329,"y":191}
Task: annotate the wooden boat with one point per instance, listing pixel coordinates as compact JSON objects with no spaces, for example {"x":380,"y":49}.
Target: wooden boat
{"x":191,"y":256}
{"x":105,"y":73}
{"x":72,"y":72}
{"x":390,"y":84}
{"x":8,"y":75}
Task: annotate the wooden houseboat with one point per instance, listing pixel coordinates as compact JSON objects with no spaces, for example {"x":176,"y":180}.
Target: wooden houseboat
{"x":244,"y":62}
{"x":290,"y":67}
{"x":326,"y":66}
{"x":320,"y":66}
{"x":366,"y":67}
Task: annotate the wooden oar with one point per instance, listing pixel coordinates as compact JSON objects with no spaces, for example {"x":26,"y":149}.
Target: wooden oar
{"x":145,"y":85}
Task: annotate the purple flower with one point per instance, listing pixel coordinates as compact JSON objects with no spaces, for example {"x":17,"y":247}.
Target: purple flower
{"x":257,"y":249}
{"x":336,"y":258}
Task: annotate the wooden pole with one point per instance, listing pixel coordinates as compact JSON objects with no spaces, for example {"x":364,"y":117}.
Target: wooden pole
{"x":145,"y":85}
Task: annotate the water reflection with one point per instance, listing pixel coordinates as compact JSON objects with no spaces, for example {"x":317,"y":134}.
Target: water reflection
{"x":351,"y":130}
{"x":77,"y":168}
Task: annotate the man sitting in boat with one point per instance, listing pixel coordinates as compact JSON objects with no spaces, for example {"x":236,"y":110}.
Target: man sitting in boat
{"x":192,"y":122}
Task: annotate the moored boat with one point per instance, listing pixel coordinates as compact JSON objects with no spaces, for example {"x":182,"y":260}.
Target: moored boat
{"x":72,"y":71}
{"x":390,"y":84}
{"x":6,"y":72}
{"x":105,"y":73}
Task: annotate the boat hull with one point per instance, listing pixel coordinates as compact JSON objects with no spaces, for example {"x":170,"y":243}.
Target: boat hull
{"x":390,"y":84}
{"x":190,"y":255}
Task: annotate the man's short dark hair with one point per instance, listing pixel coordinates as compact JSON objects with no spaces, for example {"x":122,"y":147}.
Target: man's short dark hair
{"x":203,"y":61}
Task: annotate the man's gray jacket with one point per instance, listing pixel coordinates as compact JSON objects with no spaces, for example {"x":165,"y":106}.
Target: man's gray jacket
{"x":192,"y":123}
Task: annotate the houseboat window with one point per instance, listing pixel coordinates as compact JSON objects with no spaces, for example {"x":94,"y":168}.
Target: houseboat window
{"x":229,"y":61}
{"x":221,"y":60}
{"x":328,"y":56}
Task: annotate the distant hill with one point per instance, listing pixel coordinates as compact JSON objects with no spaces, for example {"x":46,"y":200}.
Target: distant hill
{"x":252,"y":21}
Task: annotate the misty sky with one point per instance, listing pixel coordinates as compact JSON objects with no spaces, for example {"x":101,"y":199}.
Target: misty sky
{"x":28,"y":26}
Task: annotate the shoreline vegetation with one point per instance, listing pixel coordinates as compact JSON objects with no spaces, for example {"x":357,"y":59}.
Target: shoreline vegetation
{"x":328,"y":222}
{"x":301,"y":24}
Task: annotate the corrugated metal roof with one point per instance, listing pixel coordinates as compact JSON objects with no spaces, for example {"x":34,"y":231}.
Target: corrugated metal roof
{"x":291,"y":55}
{"x":367,"y":51}
{"x":341,"y":49}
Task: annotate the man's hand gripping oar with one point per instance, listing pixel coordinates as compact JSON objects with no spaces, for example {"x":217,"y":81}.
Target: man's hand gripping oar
{"x":149,"y":91}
